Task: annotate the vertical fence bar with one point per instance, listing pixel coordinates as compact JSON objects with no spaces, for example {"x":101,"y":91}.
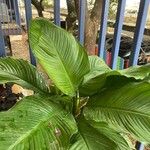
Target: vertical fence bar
{"x":139,"y":146}
{"x":2,"y":43}
{"x":2,"y":21}
{"x":11,"y":17}
{"x":103,"y":28}
{"x":28,"y":18}
{"x":10,"y":8}
{"x":57,"y":12}
{"x":7,"y":14}
{"x":17,"y":16}
{"x":138,"y":35}
{"x":117,"y":33}
{"x":82,"y":21}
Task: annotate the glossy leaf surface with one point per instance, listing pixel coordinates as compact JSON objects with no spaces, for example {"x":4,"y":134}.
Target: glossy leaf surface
{"x":36,"y":123}
{"x":62,"y":57}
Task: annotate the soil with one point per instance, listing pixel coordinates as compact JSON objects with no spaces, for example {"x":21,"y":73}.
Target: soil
{"x":19,"y":45}
{"x":7,"y":97}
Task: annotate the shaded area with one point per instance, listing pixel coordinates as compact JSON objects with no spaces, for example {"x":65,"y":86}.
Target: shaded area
{"x":7,"y":97}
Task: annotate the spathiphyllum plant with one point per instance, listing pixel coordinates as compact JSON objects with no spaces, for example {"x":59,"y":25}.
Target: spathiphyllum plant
{"x":87,"y":106}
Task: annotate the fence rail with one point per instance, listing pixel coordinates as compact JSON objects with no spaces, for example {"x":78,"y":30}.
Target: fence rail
{"x":138,"y":34}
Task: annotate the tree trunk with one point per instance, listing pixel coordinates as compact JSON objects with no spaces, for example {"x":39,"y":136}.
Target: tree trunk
{"x":77,"y":7}
{"x":72,"y":16}
{"x":91,"y":27}
{"x":91,"y":24}
{"x":38,"y":5}
{"x":90,"y":36}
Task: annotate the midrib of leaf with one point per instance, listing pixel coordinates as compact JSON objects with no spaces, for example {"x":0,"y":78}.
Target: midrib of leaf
{"x":108,"y":109}
{"x":64,"y":68}
{"x":82,"y":135}
{"x":33,"y":130}
{"x":87,"y":135}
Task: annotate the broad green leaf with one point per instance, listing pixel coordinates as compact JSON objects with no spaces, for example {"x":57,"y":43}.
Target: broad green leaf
{"x":36,"y":123}
{"x":110,"y":133}
{"x":96,"y":78}
{"x":97,"y":66}
{"x":126,"y":106}
{"x":62,"y":57}
{"x":99,"y":72}
{"x":21,"y":72}
{"x":137,"y":72}
{"x":89,"y":138}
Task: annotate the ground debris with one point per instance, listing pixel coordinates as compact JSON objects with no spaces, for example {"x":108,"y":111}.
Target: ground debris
{"x":7,"y":97}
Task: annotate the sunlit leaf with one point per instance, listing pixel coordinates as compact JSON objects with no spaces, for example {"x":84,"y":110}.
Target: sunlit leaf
{"x":21,"y":72}
{"x":62,"y":57}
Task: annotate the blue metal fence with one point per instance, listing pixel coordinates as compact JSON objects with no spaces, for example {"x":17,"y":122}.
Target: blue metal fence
{"x":138,"y":35}
{"x":28,"y":10}
{"x":103,"y":29}
{"x":57,"y":12}
{"x":10,"y":23}
{"x":117,"y":33}
{"x":2,"y":43}
{"x":10,"y":17}
{"x":82,"y":21}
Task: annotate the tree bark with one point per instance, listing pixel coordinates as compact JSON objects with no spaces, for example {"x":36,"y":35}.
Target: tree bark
{"x":91,"y":26}
{"x":38,"y":5}
{"x":77,"y":7}
{"x":72,"y":16}
{"x":92,"y":22}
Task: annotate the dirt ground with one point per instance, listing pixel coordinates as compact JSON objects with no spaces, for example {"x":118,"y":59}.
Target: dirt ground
{"x":19,"y":44}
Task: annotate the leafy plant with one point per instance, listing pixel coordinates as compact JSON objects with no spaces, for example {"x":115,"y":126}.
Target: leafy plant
{"x":89,"y":106}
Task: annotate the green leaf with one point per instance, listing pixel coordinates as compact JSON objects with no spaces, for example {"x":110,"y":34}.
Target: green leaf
{"x":89,"y":138}
{"x":110,"y":133}
{"x":97,"y":66}
{"x":99,"y":72}
{"x":126,"y":107}
{"x":36,"y":123}
{"x":21,"y":72}
{"x":95,"y":79}
{"x":62,"y":57}
{"x":137,"y":72}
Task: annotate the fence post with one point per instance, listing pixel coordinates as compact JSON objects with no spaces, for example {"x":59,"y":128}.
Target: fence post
{"x":17,"y":15}
{"x":117,"y":33}
{"x":2,"y":43}
{"x":57,"y":12}
{"x":139,"y":146}
{"x":82,"y":21}
{"x":103,"y":28}
{"x":28,"y":18}
{"x":138,"y":35}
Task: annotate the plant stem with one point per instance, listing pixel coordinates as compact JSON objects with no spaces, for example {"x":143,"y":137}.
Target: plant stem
{"x":77,"y":104}
{"x":76,"y":109}
{"x":78,"y":99}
